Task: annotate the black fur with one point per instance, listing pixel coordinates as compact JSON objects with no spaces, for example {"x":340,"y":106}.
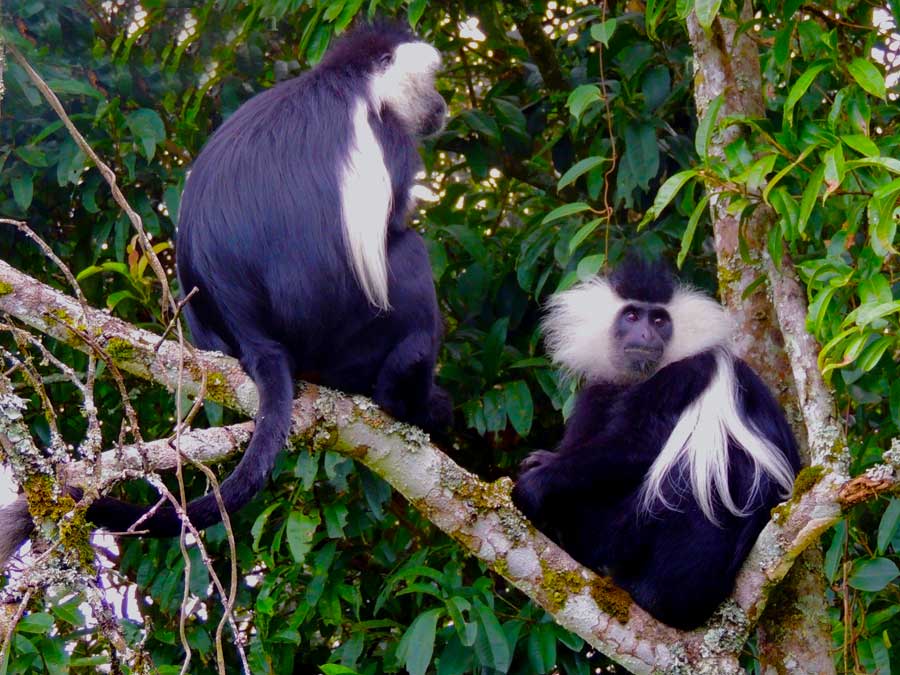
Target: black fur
{"x":676,"y":564}
{"x":260,"y":237}
{"x":643,"y":280}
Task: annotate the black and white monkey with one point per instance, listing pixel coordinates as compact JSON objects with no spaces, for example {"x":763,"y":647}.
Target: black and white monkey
{"x":293,"y":228}
{"x":676,"y":450}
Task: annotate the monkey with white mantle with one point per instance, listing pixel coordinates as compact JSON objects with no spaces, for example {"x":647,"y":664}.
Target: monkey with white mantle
{"x":675,"y":453}
{"x":293,"y":228}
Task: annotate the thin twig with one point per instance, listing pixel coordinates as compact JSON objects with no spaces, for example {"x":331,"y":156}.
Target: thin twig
{"x":174,"y":321}
{"x":7,"y":639}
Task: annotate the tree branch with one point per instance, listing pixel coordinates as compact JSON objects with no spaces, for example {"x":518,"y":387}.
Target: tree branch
{"x":478,"y":515}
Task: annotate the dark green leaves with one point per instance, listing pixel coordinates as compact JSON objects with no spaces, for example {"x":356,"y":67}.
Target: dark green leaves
{"x":707,"y":126}
{"x":149,"y":129}
{"x":300,"y":530}
{"x":873,"y":575}
{"x":417,"y":645}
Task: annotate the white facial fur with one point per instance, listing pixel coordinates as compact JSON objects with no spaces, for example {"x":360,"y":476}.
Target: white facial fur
{"x":407,"y":82}
{"x":579,"y":322}
{"x":698,"y":445}
{"x":366,"y":198}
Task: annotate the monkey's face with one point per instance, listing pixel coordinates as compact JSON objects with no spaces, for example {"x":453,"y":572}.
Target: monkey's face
{"x":641,"y":332}
{"x":403,"y":81}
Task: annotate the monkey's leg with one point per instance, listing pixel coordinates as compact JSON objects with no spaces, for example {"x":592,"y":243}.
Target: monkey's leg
{"x":406,"y":388}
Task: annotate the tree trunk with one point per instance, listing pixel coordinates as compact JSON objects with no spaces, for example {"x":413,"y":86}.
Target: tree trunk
{"x":794,"y":637}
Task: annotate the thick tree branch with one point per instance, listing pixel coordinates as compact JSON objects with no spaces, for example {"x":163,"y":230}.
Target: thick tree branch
{"x":478,"y":515}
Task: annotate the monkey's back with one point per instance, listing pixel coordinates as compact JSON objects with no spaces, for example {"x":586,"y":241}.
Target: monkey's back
{"x":260,"y":236}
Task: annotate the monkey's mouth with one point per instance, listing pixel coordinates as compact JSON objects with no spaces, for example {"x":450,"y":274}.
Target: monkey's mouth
{"x":435,"y":120}
{"x":642,"y":360}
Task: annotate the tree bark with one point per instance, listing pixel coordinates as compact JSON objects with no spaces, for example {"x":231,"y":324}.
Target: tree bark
{"x":727,"y":65}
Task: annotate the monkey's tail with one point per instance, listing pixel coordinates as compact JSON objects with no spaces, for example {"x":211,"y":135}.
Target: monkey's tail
{"x":270,"y":370}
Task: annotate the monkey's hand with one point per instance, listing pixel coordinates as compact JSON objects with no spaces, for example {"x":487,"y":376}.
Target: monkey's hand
{"x":534,"y":483}
{"x":536,"y":460}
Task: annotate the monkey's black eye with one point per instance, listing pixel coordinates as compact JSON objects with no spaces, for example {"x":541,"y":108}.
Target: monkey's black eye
{"x":659,"y":321}
{"x":386,"y":59}
{"x":631,"y":316}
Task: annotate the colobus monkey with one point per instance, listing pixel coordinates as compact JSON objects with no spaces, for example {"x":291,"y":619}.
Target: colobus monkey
{"x":676,"y":450}
{"x":293,"y":228}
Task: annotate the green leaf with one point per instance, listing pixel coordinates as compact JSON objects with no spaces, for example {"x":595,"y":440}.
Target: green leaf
{"x":862,"y":144}
{"x":582,"y":234}
{"x":872,"y":575}
{"x":466,"y":630}
{"x":306,"y":468}
{"x":300,"y":530}
{"x":887,"y":190}
{"x":519,"y":406}
{"x":38,"y":622}
{"x":494,"y":407}
{"x":259,"y":525}
{"x":542,"y":648}
{"x":835,"y":552}
{"x":868,"y":77}
{"x":582,"y":98}
{"x":800,"y":86}
{"x":689,"y":230}
{"x":148,"y":126}
{"x":706,"y":127}
{"x":336,"y":515}
{"x":335,"y":7}
{"x":564,"y":211}
{"x":491,"y":646}
{"x":579,"y":168}
{"x":786,"y":170}
{"x":834,"y":169}
{"x":880,"y":654}
{"x":810,"y":195}
{"x":641,"y":155}
{"x":416,"y":10}
{"x":890,"y":519}
{"x":603,"y":32}
{"x":876,"y":619}
{"x":666,"y":193}
{"x":706,"y":12}
{"x":113,"y":299}
{"x":873,"y":353}
{"x":337,"y":669}
{"x":417,"y":644}
{"x":318,"y":43}
{"x":73,"y":87}
{"x":33,"y":156}
{"x":481,"y":122}
{"x":889,"y":163}
{"x":589,"y":266}
{"x":492,"y":352}
{"x":23,"y":190}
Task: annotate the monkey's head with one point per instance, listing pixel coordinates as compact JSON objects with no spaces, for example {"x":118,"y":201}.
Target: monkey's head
{"x":400,"y":69}
{"x":626,"y":327}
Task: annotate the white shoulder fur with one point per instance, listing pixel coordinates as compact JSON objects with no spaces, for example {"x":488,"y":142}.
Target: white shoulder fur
{"x":578,"y":327}
{"x":366,"y":199}
{"x":699,"y":445}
